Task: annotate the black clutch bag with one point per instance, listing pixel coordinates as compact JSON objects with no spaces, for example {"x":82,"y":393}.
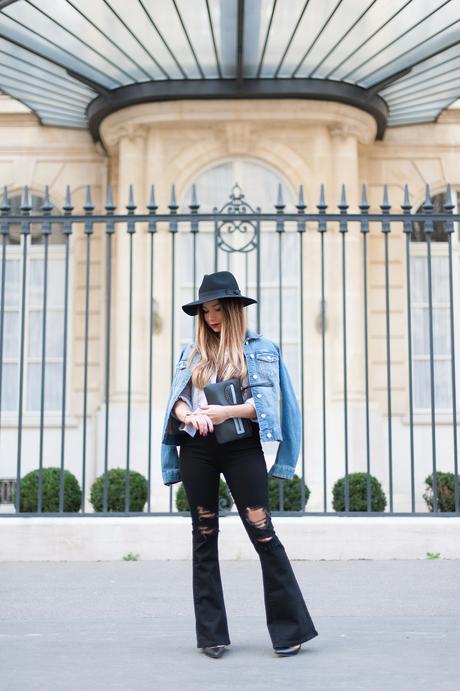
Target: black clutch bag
{"x":228,"y":392}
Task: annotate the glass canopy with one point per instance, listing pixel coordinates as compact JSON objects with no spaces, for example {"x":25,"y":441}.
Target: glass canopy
{"x":58,"y":56}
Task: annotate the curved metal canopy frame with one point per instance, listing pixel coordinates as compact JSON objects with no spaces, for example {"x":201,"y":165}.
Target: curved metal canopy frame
{"x":324,"y":90}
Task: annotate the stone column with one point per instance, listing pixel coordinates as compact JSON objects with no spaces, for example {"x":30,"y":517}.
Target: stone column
{"x":346,"y":171}
{"x":131,"y":167}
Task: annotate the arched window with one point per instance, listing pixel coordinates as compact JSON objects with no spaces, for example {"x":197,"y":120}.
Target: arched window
{"x":234,"y":247}
{"x":33,"y":315}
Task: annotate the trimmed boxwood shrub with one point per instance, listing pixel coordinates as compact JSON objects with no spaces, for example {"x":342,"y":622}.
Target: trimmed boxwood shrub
{"x":445,"y":491}
{"x":225,"y":498}
{"x":51,"y":480}
{"x":357,"y":483}
{"x":292,"y":494}
{"x":116,"y":491}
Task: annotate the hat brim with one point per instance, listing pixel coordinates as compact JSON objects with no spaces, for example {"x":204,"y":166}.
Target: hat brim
{"x":191,"y":308}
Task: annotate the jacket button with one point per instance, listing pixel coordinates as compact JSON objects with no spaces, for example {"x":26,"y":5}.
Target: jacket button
{"x":259,"y":395}
{"x":252,"y":355}
{"x":263,"y":415}
{"x":254,"y":376}
{"x":269,"y":434}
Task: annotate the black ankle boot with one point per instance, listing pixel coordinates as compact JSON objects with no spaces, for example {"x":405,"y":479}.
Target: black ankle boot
{"x":291,"y":650}
{"x":214,"y":650}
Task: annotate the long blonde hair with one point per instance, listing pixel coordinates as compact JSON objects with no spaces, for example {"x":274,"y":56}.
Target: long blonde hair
{"x":222,"y":352}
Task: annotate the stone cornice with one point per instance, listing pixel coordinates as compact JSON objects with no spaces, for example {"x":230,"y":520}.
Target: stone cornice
{"x":235,"y":115}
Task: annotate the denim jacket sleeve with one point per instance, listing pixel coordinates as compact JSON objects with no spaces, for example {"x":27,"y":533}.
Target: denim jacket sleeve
{"x":291,"y":427}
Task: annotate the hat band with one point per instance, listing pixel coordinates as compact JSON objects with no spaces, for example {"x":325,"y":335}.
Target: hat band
{"x":220,"y":291}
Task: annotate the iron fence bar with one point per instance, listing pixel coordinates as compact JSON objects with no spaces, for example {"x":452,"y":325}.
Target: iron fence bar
{"x":46,"y":229}
{"x":449,"y":205}
{"x":109,"y":230}
{"x":173,"y":229}
{"x":89,"y":207}
{"x":280,"y":230}
{"x":428,"y":227}
{"x":322,"y":229}
{"x":258,"y":268}
{"x":194,"y":228}
{"x":67,"y":230}
{"x":216,"y":231}
{"x":25,"y":232}
{"x":343,"y":229}
{"x":152,"y":229}
{"x":131,"y":229}
{"x":386,"y":230}
{"x":4,"y":208}
{"x":407,"y":229}
{"x":364,"y":206}
{"x":301,"y":231}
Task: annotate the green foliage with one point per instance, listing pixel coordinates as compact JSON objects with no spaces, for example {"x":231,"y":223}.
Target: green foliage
{"x":116,"y":478}
{"x":51,"y":479}
{"x":292,"y":494}
{"x":357,"y":483}
{"x":445,"y":492}
{"x":131,"y":557}
{"x":225,"y":498}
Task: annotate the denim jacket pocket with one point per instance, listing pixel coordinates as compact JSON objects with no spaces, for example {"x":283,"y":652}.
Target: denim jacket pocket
{"x":267,"y":365}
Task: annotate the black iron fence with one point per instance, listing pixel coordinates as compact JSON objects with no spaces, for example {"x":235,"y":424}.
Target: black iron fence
{"x":56,"y":309}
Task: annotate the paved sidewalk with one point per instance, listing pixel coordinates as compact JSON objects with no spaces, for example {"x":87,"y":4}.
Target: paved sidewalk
{"x":129,"y":626}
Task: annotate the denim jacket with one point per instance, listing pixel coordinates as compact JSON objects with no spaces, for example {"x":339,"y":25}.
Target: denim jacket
{"x":265,"y":364}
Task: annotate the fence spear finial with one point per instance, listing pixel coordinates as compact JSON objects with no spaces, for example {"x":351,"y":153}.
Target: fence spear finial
{"x":25,"y":205}
{"x":449,"y":203}
{"x":301,"y":201}
{"x":46,"y":206}
{"x":109,"y":205}
{"x":89,"y":206}
{"x":5,"y":206}
{"x":364,"y":206}
{"x":406,"y":205}
{"x":343,"y":198}
{"x":427,"y":204}
{"x":152,"y":206}
{"x":173,"y":202}
{"x":194,"y":206}
{"x":280,"y":205}
{"x":385,"y":205}
{"x":67,"y":202}
{"x":322,"y":200}
{"x":131,"y":204}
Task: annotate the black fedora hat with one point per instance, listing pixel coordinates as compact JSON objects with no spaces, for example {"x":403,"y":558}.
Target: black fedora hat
{"x":221,"y":284}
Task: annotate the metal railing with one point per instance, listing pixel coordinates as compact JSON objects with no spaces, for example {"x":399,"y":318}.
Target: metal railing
{"x":235,"y":217}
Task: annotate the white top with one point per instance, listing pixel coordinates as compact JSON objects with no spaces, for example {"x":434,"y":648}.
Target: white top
{"x":195,"y":397}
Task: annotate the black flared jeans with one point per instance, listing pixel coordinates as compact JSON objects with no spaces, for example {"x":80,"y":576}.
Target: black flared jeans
{"x":243,"y":465}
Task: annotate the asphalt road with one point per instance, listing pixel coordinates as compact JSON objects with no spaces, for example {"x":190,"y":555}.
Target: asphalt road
{"x":129,"y":626}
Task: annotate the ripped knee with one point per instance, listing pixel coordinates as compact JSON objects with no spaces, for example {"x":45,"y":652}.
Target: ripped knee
{"x":260,"y":521}
{"x":207,"y":522}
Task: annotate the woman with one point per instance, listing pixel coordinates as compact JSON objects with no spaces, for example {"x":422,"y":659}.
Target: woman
{"x":225,"y":348}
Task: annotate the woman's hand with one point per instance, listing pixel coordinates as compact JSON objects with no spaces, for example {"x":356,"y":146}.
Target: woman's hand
{"x":200,"y":421}
{"x":216,"y":413}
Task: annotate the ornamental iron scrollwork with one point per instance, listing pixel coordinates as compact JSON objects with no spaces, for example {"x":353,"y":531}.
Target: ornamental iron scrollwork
{"x":243,"y":232}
